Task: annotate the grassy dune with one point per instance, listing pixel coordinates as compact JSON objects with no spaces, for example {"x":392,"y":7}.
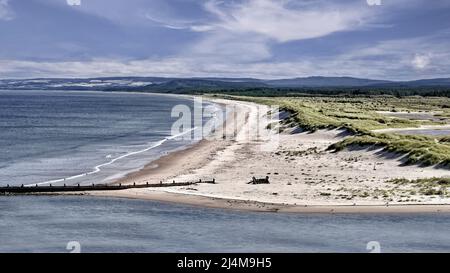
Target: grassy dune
{"x":359,"y":115}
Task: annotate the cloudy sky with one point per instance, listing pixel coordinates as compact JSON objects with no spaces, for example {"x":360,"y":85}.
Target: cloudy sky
{"x":382,"y":39}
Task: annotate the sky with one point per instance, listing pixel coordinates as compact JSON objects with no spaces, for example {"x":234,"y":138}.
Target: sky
{"x":267,"y":39}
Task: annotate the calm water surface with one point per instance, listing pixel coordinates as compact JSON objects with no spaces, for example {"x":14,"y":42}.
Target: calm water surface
{"x":37,"y":224}
{"x":429,"y":132}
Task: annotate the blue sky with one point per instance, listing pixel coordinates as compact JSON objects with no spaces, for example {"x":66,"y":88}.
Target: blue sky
{"x":382,"y":39}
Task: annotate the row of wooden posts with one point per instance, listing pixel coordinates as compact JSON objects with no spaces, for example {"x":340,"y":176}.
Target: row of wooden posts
{"x":93,"y":187}
{"x":105,"y":187}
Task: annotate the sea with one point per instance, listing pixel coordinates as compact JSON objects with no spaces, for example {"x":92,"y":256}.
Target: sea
{"x":70,"y":137}
{"x":96,"y":224}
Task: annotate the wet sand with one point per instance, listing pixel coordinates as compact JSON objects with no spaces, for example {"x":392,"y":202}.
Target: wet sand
{"x":243,"y":205}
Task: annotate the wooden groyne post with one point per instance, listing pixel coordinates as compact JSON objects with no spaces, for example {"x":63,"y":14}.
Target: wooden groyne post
{"x":22,"y":189}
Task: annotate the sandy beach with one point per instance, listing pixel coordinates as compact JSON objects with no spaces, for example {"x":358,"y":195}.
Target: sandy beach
{"x":303,"y":175}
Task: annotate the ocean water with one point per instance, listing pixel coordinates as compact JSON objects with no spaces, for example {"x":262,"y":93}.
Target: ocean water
{"x":48,"y":224}
{"x":82,"y":137}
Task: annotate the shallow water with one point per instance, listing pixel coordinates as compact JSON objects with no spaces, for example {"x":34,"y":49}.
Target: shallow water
{"x":414,"y":116}
{"x":47,"y":224}
{"x":428,"y":132}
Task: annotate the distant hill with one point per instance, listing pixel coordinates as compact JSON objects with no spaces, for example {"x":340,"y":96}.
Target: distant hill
{"x":192,"y":84}
{"x":178,"y":85}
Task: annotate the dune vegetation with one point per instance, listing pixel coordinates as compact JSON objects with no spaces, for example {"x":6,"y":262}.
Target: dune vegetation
{"x":427,"y":186}
{"x":361,"y":115}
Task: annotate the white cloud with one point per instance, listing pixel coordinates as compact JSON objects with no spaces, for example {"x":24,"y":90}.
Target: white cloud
{"x":242,"y":56}
{"x":5,"y":11}
{"x":229,"y":47}
{"x":419,"y":57}
{"x":172,"y":24}
{"x":245,"y":31}
{"x":284,"y":20}
{"x":236,"y":41}
{"x":351,"y":64}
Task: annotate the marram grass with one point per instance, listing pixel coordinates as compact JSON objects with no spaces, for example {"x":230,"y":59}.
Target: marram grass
{"x":360,"y":115}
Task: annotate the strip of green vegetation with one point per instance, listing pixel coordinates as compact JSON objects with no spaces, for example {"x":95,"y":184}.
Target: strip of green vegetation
{"x":433,"y":182}
{"x":419,"y":149}
{"x":427,"y":186}
{"x":193,"y":87}
{"x":360,"y":115}
{"x":356,"y":115}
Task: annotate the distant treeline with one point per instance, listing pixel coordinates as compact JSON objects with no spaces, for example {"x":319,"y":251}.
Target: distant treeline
{"x":434,"y":91}
{"x":293,"y":92}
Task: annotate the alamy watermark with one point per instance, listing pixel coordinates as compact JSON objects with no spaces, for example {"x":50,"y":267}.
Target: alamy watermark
{"x":73,"y":247}
{"x":74,"y":2}
{"x":373,"y":247}
{"x":374,"y":2}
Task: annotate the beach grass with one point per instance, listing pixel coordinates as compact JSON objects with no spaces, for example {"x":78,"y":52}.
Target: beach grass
{"x":418,"y":149}
{"x":427,"y":186}
{"x":361,"y":115}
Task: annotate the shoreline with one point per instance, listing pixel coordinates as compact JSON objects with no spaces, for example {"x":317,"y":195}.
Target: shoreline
{"x":256,"y":206}
{"x":206,"y":157}
{"x":161,"y":168}
{"x":233,"y":160}
{"x":97,"y":168}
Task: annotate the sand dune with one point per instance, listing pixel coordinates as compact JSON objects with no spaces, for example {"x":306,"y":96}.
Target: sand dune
{"x":303,"y":175}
